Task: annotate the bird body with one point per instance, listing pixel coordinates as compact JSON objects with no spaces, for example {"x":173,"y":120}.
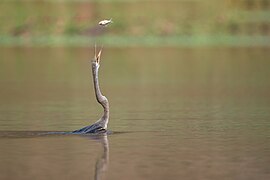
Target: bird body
{"x":99,"y":126}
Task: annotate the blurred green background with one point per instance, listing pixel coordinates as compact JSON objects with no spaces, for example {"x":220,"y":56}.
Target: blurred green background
{"x":136,"y":22}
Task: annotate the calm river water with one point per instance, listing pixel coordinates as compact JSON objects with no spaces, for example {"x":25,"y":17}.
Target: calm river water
{"x":177,"y":113}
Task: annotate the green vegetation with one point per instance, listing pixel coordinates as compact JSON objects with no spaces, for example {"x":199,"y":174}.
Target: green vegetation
{"x":186,"y":23}
{"x":118,"y":41}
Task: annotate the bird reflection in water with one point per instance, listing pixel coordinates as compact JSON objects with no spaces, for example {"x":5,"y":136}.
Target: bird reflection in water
{"x":103,"y":161}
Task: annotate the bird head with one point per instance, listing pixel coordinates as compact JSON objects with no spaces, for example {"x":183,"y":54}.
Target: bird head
{"x":96,"y":60}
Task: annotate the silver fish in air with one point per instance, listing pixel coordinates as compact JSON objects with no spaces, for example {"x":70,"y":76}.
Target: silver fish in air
{"x":105,"y":22}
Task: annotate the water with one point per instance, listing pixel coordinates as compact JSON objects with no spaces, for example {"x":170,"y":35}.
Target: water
{"x":176,"y":113}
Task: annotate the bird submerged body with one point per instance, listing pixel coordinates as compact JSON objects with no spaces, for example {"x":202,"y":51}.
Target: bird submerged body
{"x":92,"y":129}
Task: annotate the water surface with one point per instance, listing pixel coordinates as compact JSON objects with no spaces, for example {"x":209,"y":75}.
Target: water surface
{"x":185,"y":113}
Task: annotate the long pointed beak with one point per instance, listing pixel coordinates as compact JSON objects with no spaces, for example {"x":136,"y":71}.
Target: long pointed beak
{"x":98,"y":56}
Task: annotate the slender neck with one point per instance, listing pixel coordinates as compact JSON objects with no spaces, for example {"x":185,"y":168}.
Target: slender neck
{"x":100,"y":98}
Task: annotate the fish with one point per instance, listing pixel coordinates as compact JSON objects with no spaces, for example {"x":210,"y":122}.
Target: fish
{"x":105,"y":22}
